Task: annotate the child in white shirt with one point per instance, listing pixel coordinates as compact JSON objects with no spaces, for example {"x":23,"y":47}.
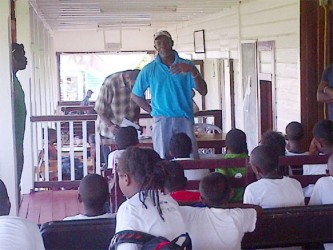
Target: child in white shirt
{"x":271,"y":189}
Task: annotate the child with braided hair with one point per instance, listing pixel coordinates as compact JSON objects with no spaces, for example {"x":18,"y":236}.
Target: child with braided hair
{"x":141,"y":177}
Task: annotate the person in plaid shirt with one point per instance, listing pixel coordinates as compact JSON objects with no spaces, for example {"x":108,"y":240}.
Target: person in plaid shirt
{"x":114,"y":102}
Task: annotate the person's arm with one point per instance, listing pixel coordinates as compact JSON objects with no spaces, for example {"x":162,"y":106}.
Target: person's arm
{"x":324,"y":93}
{"x":200,"y":83}
{"x":141,"y":102}
{"x":108,"y":122}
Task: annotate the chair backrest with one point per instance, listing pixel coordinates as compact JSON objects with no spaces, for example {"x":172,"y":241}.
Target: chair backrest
{"x":78,"y":234}
{"x":207,"y":128}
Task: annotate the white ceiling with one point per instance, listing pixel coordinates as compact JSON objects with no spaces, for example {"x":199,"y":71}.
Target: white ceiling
{"x":94,"y":14}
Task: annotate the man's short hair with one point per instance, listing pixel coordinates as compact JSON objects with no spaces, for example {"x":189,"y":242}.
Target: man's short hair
{"x":180,"y":145}
{"x":215,"y":189}
{"x":126,"y":137}
{"x":94,"y":190}
{"x":276,"y":140}
{"x":176,"y":179}
{"x":294,"y":131}
{"x":324,"y":130}
{"x":265,"y":157}
{"x":235,"y":141}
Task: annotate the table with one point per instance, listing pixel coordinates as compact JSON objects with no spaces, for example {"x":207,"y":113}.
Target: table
{"x":216,"y":141}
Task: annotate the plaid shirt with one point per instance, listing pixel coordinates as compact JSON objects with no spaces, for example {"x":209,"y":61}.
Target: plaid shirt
{"x":114,"y":101}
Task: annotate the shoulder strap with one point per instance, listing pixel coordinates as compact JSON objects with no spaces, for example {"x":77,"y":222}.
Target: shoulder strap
{"x":129,"y":236}
{"x":187,"y":243}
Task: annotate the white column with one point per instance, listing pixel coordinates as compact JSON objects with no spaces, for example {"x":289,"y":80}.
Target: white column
{"x":23,"y":28}
{"x":7,"y":152}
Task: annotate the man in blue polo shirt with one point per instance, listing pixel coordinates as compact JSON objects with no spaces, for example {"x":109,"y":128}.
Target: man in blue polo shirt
{"x":170,"y":80}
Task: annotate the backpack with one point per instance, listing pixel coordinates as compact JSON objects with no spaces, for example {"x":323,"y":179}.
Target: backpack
{"x":150,"y":242}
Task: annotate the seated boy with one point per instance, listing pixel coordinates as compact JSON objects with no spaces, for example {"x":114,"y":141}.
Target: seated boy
{"x":294,"y":136}
{"x":176,"y":182}
{"x":276,"y":140}
{"x":16,"y":232}
{"x":215,"y":226}
{"x":271,"y":189}
{"x":180,"y":148}
{"x":236,"y":146}
{"x":124,"y":137}
{"x":94,"y":194}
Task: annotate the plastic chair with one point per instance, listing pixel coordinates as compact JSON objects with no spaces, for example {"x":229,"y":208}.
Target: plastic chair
{"x":206,"y":128}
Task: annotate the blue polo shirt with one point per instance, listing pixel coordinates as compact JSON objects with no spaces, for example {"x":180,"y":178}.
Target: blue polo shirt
{"x":171,"y":94}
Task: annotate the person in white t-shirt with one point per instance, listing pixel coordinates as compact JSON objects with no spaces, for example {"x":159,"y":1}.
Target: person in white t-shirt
{"x":322,"y":191}
{"x":271,"y":189}
{"x":94,"y":194}
{"x":180,"y":148}
{"x":217,"y":226}
{"x":321,"y":144}
{"x":16,"y":233}
{"x":146,"y":208}
{"x":294,"y":137}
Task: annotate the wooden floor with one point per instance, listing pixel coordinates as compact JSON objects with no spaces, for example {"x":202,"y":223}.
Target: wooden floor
{"x":44,"y":206}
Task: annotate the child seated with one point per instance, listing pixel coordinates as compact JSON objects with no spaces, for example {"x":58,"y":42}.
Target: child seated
{"x":124,"y":137}
{"x":94,"y":194}
{"x":16,"y":232}
{"x":322,"y":191}
{"x":294,"y":137}
{"x":146,"y":209}
{"x":236,"y":146}
{"x":271,"y":189}
{"x":215,"y":226}
{"x":180,"y":148}
{"x":176,"y":182}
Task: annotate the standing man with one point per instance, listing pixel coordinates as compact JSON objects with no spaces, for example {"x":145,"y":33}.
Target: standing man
{"x":19,"y":62}
{"x":85,"y":101}
{"x":325,"y":90}
{"x":114,"y":102}
{"x":170,"y":79}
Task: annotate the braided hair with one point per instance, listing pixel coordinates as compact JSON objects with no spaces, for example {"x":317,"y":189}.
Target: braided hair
{"x":144,"y":166}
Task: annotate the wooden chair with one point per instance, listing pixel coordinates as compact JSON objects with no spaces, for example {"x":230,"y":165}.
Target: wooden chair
{"x":78,"y":234}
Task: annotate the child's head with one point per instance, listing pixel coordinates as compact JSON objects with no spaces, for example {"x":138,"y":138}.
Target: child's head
{"x":94,"y":192}
{"x":323,"y":133}
{"x":235,"y":141}
{"x":276,"y":140}
{"x":215,"y":190}
{"x":294,"y":131}
{"x":180,"y":146}
{"x":52,"y":135}
{"x":330,"y":165}
{"x":264,"y":159}
{"x":139,"y":171}
{"x":176,"y":179}
{"x":4,"y":200}
{"x":126,"y":137}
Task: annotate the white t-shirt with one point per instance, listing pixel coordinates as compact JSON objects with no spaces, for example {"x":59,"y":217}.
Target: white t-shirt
{"x":217,"y":228}
{"x":322,"y":192}
{"x":84,"y":217}
{"x":18,"y":233}
{"x":132,"y":215}
{"x":269,"y":193}
{"x":113,"y":158}
{"x":193,"y":174}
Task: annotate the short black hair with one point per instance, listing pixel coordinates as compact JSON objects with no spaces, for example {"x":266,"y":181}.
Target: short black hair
{"x":324,"y":130}
{"x":265,"y":157}
{"x":276,"y":140}
{"x":294,"y":131}
{"x":94,"y":190}
{"x":180,"y":145}
{"x":126,"y":137}
{"x":215,"y":189}
{"x":4,"y":199}
{"x":176,"y":179}
{"x":235,"y":141}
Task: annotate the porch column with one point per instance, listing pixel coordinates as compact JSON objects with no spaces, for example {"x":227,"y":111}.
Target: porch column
{"x":7,"y":152}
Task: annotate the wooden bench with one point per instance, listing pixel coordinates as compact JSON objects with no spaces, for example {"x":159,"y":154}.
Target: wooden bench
{"x":78,"y":234}
{"x":292,"y":226}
